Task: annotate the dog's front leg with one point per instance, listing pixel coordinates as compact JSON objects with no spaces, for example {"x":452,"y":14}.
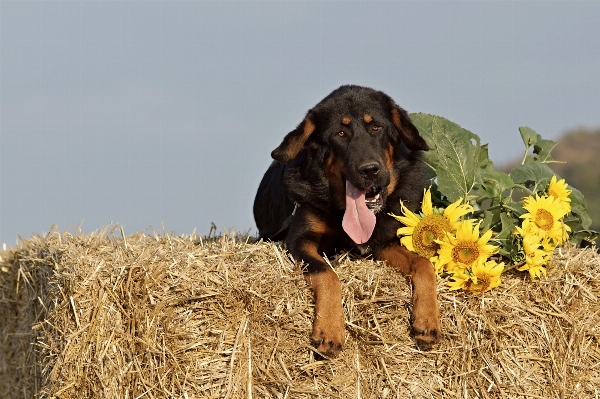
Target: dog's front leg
{"x":426,"y":314}
{"x":328,"y":324}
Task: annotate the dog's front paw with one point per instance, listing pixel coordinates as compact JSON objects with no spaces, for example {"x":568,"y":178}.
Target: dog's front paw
{"x":328,"y":335}
{"x":426,"y":330}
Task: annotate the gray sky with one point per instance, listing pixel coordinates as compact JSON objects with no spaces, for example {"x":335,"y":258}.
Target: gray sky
{"x":145,"y":113}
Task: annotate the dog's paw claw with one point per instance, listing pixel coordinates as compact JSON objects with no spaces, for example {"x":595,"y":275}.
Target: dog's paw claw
{"x":327,"y":346}
{"x":426,"y":337}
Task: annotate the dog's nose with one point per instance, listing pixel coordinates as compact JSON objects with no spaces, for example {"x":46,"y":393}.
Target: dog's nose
{"x":369,"y":170}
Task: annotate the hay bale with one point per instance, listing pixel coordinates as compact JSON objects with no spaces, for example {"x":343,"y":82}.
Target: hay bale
{"x":160,"y":316}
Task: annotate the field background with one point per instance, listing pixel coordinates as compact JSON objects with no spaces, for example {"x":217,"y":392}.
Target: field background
{"x":579,"y":150}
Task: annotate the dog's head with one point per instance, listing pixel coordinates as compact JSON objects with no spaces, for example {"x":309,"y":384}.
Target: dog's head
{"x":357,"y":134}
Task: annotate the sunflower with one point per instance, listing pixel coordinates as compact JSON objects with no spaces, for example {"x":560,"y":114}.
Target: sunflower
{"x":559,"y":189}
{"x":488,"y":276}
{"x":462,"y":280}
{"x":481,"y":278}
{"x":537,"y":250}
{"x":544,"y":217}
{"x":534,"y":270}
{"x":422,"y":231}
{"x":548,"y":245}
{"x":465,"y":249}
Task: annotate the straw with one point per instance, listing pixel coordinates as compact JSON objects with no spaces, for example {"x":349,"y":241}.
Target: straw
{"x":162,"y":316}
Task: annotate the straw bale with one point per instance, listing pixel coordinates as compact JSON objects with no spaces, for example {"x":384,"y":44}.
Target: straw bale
{"x":162,"y":316}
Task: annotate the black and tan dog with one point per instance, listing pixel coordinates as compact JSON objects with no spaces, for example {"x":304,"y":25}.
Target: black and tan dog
{"x":335,"y":180}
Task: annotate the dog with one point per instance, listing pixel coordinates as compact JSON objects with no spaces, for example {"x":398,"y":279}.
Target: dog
{"x":332,"y":185}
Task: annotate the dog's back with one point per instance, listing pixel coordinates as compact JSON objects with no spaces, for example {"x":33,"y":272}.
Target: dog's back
{"x":272,"y":204}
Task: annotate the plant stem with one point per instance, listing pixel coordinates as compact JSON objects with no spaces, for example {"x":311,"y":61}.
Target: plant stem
{"x":514,"y":266}
{"x":482,"y":211}
{"x":493,"y":208}
{"x":522,"y":187}
{"x":510,"y":208}
{"x":525,"y":156}
{"x":522,"y":163}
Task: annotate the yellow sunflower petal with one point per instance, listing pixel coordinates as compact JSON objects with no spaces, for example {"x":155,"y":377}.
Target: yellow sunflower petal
{"x":544,"y":217}
{"x":455,"y":210}
{"x":461,"y":281}
{"x":560,"y":190}
{"x":405,"y":231}
{"x":485,"y":237}
{"x":407,"y":242}
{"x":465,"y":248}
{"x":488,"y":276}
{"x":464,"y":230}
{"x":426,"y":205}
{"x":410,"y":220}
{"x":409,"y":214}
{"x":535,"y":271}
{"x":531,"y":242}
{"x":548,"y":245}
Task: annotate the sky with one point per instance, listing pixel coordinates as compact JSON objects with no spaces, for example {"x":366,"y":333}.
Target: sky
{"x":162,"y":115}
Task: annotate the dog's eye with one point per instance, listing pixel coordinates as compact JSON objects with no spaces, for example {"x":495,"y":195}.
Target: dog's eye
{"x":341,"y":134}
{"x":376,"y":128}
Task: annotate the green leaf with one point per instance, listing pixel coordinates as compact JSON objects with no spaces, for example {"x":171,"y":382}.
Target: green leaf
{"x":484,"y":160}
{"x":542,"y":149}
{"x":451,"y":154}
{"x":506,"y":237}
{"x":579,"y":208}
{"x":534,"y":174}
{"x":529,"y":136}
{"x":509,"y":223}
{"x":495,"y":182}
{"x":588,"y":235}
{"x":516,"y":207}
{"x":487,"y":221}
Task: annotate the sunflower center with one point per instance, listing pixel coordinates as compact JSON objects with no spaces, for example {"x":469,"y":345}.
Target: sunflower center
{"x":484,"y":282}
{"x":544,"y":219}
{"x":465,"y":252}
{"x":429,"y":229}
{"x":468,"y":283}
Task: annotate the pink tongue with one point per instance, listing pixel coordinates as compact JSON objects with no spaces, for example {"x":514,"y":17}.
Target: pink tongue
{"x":358,"y":221}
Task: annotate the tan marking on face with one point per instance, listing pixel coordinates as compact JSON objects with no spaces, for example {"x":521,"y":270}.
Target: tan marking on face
{"x":345,"y":120}
{"x":367,"y":118}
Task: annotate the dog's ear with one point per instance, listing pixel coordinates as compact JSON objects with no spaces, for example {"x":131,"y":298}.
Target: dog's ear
{"x":408,"y":132}
{"x":293,"y":142}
